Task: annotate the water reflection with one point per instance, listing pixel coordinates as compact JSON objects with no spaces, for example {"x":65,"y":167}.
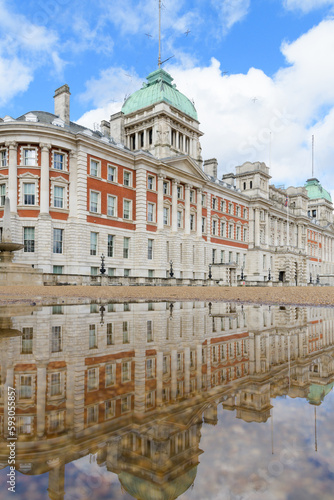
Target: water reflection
{"x":131,"y":385}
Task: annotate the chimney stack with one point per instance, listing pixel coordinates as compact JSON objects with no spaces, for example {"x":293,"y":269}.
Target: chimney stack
{"x":62,"y":103}
{"x":211,"y":167}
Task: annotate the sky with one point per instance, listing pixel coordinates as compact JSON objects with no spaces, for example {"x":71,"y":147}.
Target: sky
{"x":261,"y":72}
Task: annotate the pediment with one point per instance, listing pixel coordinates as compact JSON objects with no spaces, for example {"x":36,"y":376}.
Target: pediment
{"x":186,"y":166}
{"x":28,"y":175}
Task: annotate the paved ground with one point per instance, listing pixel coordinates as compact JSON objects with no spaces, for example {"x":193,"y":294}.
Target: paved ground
{"x":312,"y":295}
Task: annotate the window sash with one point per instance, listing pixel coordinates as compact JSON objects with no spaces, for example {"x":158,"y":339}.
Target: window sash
{"x":127,"y":179}
{"x":29,"y":239}
{"x":111,"y":206}
{"x":58,"y":201}
{"x":3,"y":158}
{"x":29,"y":157}
{"x":58,"y":240}
{"x":150,"y":212}
{"x":58,"y":161}
{"x":56,"y":339}
{"x":126,"y":209}
{"x":93,"y":243}
{"x":94,"y":168}
{"x":29,"y":194}
{"x":94,"y":201}
{"x":110,"y":245}
{"x":111,"y":173}
{"x":126,"y":248}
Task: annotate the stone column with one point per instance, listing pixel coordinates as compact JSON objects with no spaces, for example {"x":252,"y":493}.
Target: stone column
{"x":73,"y":184}
{"x":12,"y":175}
{"x":267,"y":228}
{"x":41,"y":397}
{"x":299,"y":236}
{"x":275,"y":232}
{"x":160,"y":207}
{"x":257,"y":227}
{"x":174,"y":206}
{"x":199,"y":366}
{"x":187,"y":209}
{"x":199,"y":214}
{"x":282,"y":233}
{"x":251,"y":227}
{"x":45,"y":191}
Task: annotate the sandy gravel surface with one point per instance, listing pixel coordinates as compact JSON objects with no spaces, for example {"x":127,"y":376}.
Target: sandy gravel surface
{"x":312,"y":295}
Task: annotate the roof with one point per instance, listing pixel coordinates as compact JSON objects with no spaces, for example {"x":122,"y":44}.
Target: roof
{"x":142,"y":489}
{"x":159,"y":88}
{"x":315,"y":190}
{"x":318,"y":393}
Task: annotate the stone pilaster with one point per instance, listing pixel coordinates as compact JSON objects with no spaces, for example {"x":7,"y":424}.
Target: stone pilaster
{"x":12,"y":176}
{"x":45,"y":179}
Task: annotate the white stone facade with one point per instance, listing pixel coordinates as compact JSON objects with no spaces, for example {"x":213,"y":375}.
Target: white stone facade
{"x":76,"y":194}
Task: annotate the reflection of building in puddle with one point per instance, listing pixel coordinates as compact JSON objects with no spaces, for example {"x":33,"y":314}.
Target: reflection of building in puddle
{"x":134,"y":382}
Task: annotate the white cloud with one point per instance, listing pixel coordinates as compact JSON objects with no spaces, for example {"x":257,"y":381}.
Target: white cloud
{"x":307,"y":5}
{"x":231,"y":12}
{"x":24,"y":47}
{"x":253,"y":116}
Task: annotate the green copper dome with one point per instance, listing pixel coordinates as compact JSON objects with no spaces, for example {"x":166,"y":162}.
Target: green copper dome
{"x":316,"y":191}
{"x":159,"y":88}
{"x":318,"y":393}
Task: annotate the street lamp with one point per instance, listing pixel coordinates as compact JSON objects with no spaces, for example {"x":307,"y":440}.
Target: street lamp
{"x":210,"y":274}
{"x":102,"y":268}
{"x":102,"y":309}
{"x":311,"y":278}
{"x":318,"y":279}
{"x":171,"y":274}
{"x":269,"y":275}
{"x":242,"y":274}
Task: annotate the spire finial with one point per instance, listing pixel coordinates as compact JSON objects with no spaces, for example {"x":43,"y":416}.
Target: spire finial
{"x":159,"y":58}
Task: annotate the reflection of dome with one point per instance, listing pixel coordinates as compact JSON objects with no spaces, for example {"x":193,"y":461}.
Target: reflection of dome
{"x":318,"y":393}
{"x":315,"y":190}
{"x":141,"y":489}
{"x":159,"y":88}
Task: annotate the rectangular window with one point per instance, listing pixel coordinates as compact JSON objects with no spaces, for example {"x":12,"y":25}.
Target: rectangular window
{"x":111,"y":208}
{"x":150,"y":249}
{"x":230,"y":231}
{"x":214,"y":227}
{"x":29,"y":193}
{"x":203,"y":224}
{"x":55,"y":384}
{"x":94,"y":202}
{"x":92,"y":337}
{"x":238,"y":233}
{"x":56,"y":344}
{"x":214,"y":202}
{"x":213,"y":255}
{"x":126,"y":273}
{"x":126,"y":178}
{"x":111,"y":271}
{"x":2,"y":194}
{"x":150,"y":182}
{"x":222,"y":257}
{"x":94,"y":168}
{"x":150,"y":212}
{"x":29,"y":157}
{"x":125,"y":332}
{"x":230,"y":258}
{"x":125,"y":404}
{"x":27,"y":340}
{"x":222,"y":230}
{"x":92,"y":379}
{"x":126,"y":371}
{"x":25,"y":387}
{"x":29,"y":239}
{"x":111,"y":245}
{"x":222,"y":206}
{"x":92,"y":414}
{"x":179,"y":219}
{"x":58,"y":201}
{"x":110,"y":334}
{"x":192,"y":222}
{"x":110,"y":374}
{"x":3,"y":158}
{"x":126,"y":242}
{"x":179,"y":192}
{"x":111,"y":173}
{"x":166,"y":216}
{"x":230,"y":208}
{"x":58,"y":161}
{"x":58,"y":240}
{"x":93,"y":243}
{"x":192,"y":196}
{"x":203,"y":200}
{"x":166,"y":187}
{"x":150,"y":368}
{"x":149,"y":330}
{"x":94,"y":271}
{"x":57,"y":269}
{"x":109,"y":409}
{"x":127,"y":209}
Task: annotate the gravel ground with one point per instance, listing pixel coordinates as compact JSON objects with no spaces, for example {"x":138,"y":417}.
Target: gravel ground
{"x":312,"y":295}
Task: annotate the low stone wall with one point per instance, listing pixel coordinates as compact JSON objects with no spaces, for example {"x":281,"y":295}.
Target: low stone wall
{"x":90,"y":280}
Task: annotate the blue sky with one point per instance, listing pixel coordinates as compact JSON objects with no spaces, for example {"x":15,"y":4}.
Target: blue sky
{"x":261,"y":72}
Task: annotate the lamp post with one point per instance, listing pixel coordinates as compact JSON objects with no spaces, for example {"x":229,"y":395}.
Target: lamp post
{"x":210,"y":274}
{"x":102,"y":309}
{"x":311,"y":278}
{"x":171,"y":307}
{"x":318,"y":279}
{"x":171,"y":274}
{"x":102,"y":268}
{"x":269,"y":274}
{"x":242,"y":274}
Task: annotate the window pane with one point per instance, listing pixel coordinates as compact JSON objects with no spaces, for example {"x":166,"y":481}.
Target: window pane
{"x":111,"y":174}
{"x":58,"y":197}
{"x":126,"y":209}
{"x":110,"y":245}
{"x":111,"y":206}
{"x":28,"y":194}
{"x":58,"y":161}
{"x":29,"y":157}
{"x":58,"y":241}
{"x":94,"y":200}
{"x":93,"y":243}
{"x":29,"y":239}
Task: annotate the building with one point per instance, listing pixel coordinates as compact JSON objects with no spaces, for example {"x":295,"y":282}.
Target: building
{"x":138,"y":191}
{"x":131,"y":384}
